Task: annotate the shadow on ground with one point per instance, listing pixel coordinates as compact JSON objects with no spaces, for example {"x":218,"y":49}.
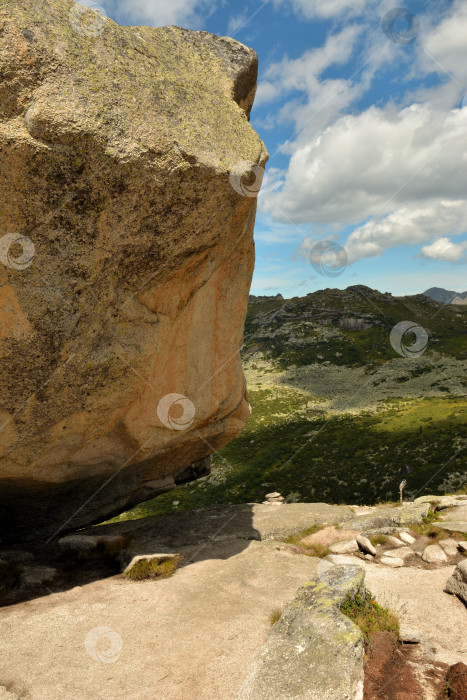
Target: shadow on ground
{"x":188,"y":533}
{"x":214,"y":532}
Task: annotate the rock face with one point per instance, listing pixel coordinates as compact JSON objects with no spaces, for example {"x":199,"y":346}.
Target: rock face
{"x":127,"y":253}
{"x":314,"y":651}
{"x":456,"y":681}
{"x":457,"y":583}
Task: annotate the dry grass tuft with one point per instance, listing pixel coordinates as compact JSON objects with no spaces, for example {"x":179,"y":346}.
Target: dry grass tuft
{"x":275,"y":615}
{"x":146,"y":569}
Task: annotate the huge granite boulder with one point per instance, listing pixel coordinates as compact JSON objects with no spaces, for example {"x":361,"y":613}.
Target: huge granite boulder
{"x":128,"y":176}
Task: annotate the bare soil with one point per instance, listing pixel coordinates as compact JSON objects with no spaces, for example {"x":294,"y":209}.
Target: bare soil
{"x":391,"y":671}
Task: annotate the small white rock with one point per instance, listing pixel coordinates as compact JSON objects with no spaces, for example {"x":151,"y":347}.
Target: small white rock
{"x":405,"y":537}
{"x":38,"y":574}
{"x":433,"y":554}
{"x":395,"y":542}
{"x":393,"y":562}
{"x":346,"y":547}
{"x":400,"y":553}
{"x":462,"y":546}
{"x":365,"y":544}
{"x":343,"y":560}
{"x":408,"y":636}
{"x":449,"y":547}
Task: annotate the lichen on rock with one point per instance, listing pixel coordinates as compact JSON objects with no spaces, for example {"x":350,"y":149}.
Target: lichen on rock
{"x":314,"y":651}
{"x":116,"y":152}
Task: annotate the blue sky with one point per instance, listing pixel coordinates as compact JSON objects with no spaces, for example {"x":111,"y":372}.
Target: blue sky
{"x":360,"y":104}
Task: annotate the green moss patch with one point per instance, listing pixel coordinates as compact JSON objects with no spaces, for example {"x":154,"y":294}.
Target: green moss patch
{"x":156,"y":568}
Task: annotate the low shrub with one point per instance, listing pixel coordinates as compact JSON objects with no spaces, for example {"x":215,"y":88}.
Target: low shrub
{"x":369,"y":616}
{"x":378,"y":539}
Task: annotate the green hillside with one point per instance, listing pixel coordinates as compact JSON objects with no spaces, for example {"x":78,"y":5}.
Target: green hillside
{"x":337,"y":414}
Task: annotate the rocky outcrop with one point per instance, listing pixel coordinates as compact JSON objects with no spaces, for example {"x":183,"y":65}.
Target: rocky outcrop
{"x":457,"y":583}
{"x":387,"y":518}
{"x":314,"y":651}
{"x":127,"y":253}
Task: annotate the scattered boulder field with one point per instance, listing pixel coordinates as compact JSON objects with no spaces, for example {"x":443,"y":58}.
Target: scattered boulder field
{"x":242,"y":561}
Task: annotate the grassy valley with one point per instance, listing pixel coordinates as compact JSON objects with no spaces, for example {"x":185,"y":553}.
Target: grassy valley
{"x":338,"y":415}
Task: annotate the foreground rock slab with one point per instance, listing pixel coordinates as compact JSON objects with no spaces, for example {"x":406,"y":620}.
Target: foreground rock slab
{"x":314,"y":651}
{"x":249,"y":521}
{"x":124,"y":151}
{"x":190,"y":636}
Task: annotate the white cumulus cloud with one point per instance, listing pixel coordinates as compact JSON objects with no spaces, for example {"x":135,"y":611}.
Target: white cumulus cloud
{"x":445,"y":249}
{"x":159,"y":13}
{"x":326,"y":9}
{"x":405,"y":169}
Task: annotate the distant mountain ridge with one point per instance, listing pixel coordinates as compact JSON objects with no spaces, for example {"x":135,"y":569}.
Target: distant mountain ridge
{"x":348,"y":327}
{"x":445,"y":296}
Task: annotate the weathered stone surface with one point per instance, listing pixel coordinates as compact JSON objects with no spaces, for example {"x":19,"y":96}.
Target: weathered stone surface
{"x":462,"y":546}
{"x":120,"y":153}
{"x":456,"y":681}
{"x":449,"y":547}
{"x":328,"y":536}
{"x":313,"y":651}
{"x":458,"y":514}
{"x":407,"y":538}
{"x":457,"y":583}
{"x":433,"y":554}
{"x":247,"y":521}
{"x":389,"y":517}
{"x":345,"y":547}
{"x":16,"y":556}
{"x":409,"y":636}
{"x":38,"y":574}
{"x":452,"y":502}
{"x":453,"y":526}
{"x":90,"y":543}
{"x":399,"y":553}
{"x":393,"y":562}
{"x":442,"y":502}
{"x":395,"y":542}
{"x":344,"y":560}
{"x":365,"y":545}
{"x":6,"y":694}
